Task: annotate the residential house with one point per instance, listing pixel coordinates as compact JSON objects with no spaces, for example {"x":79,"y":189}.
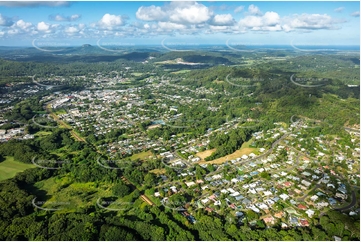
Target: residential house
{"x":301,"y":206}
{"x":331,"y":185}
{"x":297,"y":191}
{"x":284,"y":196}
{"x":321,"y":205}
{"x":267,"y":193}
{"x":204,"y":187}
{"x":304,"y":222}
{"x":262,"y":206}
{"x":269,"y":219}
{"x":246,"y":202}
{"x":217,"y":203}
{"x":306,"y":183}
{"x":305,"y":173}
{"x":254,"y":208}
{"x":189,"y":184}
{"x":240,"y":197}
{"x":279,"y":214}
{"x":310,"y":213}
{"x":205,"y":200}
{"x":332,"y":201}
{"x":336,"y":238}
{"x":294,"y":221}
{"x":314,"y":198}
{"x":224,"y":191}
{"x":340,"y":195}
{"x":287,"y":184}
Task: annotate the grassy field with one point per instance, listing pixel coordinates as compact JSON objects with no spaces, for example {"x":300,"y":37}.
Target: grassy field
{"x":68,"y":196}
{"x":10,"y":167}
{"x":236,"y":154}
{"x":60,"y":111}
{"x":247,"y":144}
{"x":158,"y":171}
{"x":180,"y":72}
{"x":142,"y":156}
{"x":42,"y":133}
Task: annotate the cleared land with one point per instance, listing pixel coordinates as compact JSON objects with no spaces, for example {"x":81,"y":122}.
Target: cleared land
{"x":236,"y":154}
{"x":158,"y":171}
{"x":9,"y":168}
{"x":205,"y":154}
{"x":142,"y":156}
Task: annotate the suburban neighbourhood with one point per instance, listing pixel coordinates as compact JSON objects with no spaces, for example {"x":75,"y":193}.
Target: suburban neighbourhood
{"x":294,"y":180}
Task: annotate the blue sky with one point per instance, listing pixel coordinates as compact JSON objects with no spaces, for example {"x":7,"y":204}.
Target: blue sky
{"x":179,"y":22}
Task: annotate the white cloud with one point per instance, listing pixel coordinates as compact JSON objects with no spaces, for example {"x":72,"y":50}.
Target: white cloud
{"x":23,"y":25}
{"x":171,"y":26}
{"x":185,"y":13}
{"x":239,"y":9}
{"x":271,"y":18}
{"x":251,"y":21}
{"x":5,"y":21}
{"x":58,"y":17}
{"x":20,"y":27}
{"x":218,"y":27}
{"x":193,"y":13}
{"x":311,"y":22}
{"x":109,"y":21}
{"x":254,"y":10}
{"x":223,"y":19}
{"x":71,"y":30}
{"x":270,"y":21}
{"x":150,"y":13}
{"x":339,"y":10}
{"x":355,"y":14}
{"x":44,"y":27}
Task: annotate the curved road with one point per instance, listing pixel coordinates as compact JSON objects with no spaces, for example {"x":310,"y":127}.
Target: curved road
{"x":353,"y":203}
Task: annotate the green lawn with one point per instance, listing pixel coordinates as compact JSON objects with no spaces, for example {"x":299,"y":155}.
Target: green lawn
{"x":60,"y":111}
{"x":10,"y":167}
{"x":247,"y":143}
{"x":137,"y":73}
{"x":142,"y":156}
{"x":42,"y":133}
{"x":180,"y":72}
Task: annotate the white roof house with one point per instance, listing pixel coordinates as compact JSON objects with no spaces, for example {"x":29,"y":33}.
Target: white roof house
{"x":284,"y":196}
{"x":267,"y":193}
{"x":191,"y":183}
{"x":204,"y":201}
{"x":310,"y":213}
{"x":306,"y":183}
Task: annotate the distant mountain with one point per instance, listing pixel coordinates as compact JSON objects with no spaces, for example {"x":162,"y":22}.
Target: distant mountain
{"x":108,"y":53}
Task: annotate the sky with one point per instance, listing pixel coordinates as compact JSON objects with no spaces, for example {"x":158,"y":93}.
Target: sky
{"x":189,"y":23}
